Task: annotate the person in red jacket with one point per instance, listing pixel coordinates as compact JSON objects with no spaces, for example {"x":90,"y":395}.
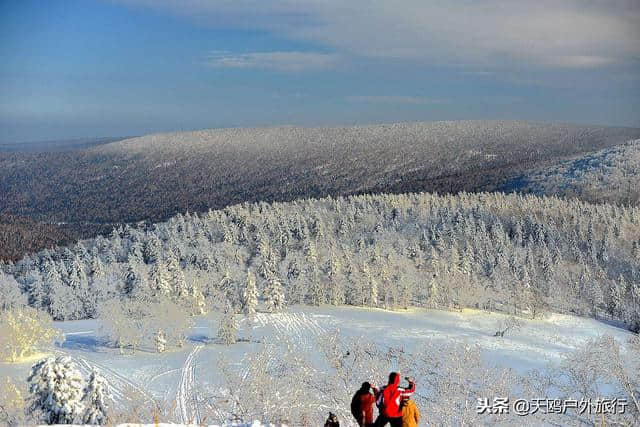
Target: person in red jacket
{"x":390,"y":399}
{"x":362,"y":405}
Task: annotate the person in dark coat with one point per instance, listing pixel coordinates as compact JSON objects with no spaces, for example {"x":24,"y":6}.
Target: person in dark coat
{"x":332,"y":421}
{"x":362,"y":404}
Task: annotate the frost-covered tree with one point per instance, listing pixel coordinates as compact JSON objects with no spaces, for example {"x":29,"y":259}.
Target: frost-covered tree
{"x":228,"y":328}
{"x":55,"y":387}
{"x":195,"y":300}
{"x":160,"y":341}
{"x":124,"y":322}
{"x":12,"y":404}
{"x":96,"y":400}
{"x":250,"y":295}
{"x":24,"y":332}
{"x":177,"y":282}
{"x":96,"y":267}
{"x":160,"y":280}
{"x":10,"y":295}
{"x":273,"y":294}
{"x":371,"y":286}
{"x":135,"y":281}
{"x":37,"y":291}
{"x":171,"y":318}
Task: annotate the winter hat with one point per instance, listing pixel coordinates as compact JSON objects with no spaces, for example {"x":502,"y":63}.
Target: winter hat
{"x":393,"y":377}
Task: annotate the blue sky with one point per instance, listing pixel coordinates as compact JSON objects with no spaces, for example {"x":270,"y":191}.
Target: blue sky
{"x":127,"y":67}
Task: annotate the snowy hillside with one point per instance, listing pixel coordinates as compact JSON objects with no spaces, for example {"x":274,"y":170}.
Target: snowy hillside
{"x":610,"y":175}
{"x":191,"y":384}
{"x":523,"y":255}
{"x":370,"y":270}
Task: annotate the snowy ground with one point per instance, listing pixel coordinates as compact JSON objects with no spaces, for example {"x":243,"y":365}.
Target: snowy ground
{"x":180,"y":376}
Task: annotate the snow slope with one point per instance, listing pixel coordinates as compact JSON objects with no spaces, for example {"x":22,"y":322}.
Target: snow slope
{"x":609,"y":175}
{"x":188,"y":375}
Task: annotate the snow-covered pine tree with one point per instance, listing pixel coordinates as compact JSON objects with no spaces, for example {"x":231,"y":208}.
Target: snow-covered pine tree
{"x":228,"y":329}
{"x":160,"y":341}
{"x":635,"y":250}
{"x":177,"y":281}
{"x":10,"y":295}
{"x":315,"y":287}
{"x":434,"y":300}
{"x":38,"y":292}
{"x":96,"y":266}
{"x":371,"y":287}
{"x":273,"y":294}
{"x":228,"y":287}
{"x":96,"y":400}
{"x":78,"y":301}
{"x":133,"y":277}
{"x":198,"y":302}
{"x":336,"y":281}
{"x":250,"y":296}
{"x":151,"y":249}
{"x":56,"y":388}
{"x":159,"y":278}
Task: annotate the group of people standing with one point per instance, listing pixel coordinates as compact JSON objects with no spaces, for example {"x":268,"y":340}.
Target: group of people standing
{"x":394,"y":403}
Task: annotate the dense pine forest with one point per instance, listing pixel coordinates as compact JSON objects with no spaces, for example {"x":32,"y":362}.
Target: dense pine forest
{"x":524,"y":255}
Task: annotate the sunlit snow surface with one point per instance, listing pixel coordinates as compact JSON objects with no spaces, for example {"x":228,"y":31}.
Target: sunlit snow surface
{"x":181,"y":375}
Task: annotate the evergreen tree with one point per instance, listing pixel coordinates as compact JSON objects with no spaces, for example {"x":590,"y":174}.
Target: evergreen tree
{"x":96,"y":266}
{"x":372,"y":287}
{"x":177,"y":281}
{"x":316,"y":290}
{"x":133,"y":278}
{"x":336,"y":281}
{"x":151,"y":249}
{"x":198,"y":303}
{"x":273,"y":294}
{"x":96,"y":400}
{"x":38,"y":292}
{"x":159,"y":279}
{"x":228,"y":329}
{"x":635,"y":251}
{"x":56,"y":388}
{"x":614,"y":304}
{"x":250,"y":296}
{"x":160,"y":341}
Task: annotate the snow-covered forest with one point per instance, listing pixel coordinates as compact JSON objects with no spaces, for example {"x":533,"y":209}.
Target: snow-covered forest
{"x":609,"y":175}
{"x":165,"y":174}
{"x":517,"y":254}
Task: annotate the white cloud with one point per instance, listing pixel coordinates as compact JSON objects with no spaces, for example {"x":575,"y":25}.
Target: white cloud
{"x":488,"y":33}
{"x":281,"y":61}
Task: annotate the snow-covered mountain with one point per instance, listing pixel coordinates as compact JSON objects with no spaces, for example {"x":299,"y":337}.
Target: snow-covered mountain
{"x":155,"y":176}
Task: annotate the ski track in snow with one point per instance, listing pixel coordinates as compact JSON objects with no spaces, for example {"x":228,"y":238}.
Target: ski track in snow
{"x":116,"y":382}
{"x":301,"y":328}
{"x":187,"y":407}
{"x":155,"y":377}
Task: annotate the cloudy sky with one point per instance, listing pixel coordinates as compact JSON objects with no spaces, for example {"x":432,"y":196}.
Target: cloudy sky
{"x":127,"y":67}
